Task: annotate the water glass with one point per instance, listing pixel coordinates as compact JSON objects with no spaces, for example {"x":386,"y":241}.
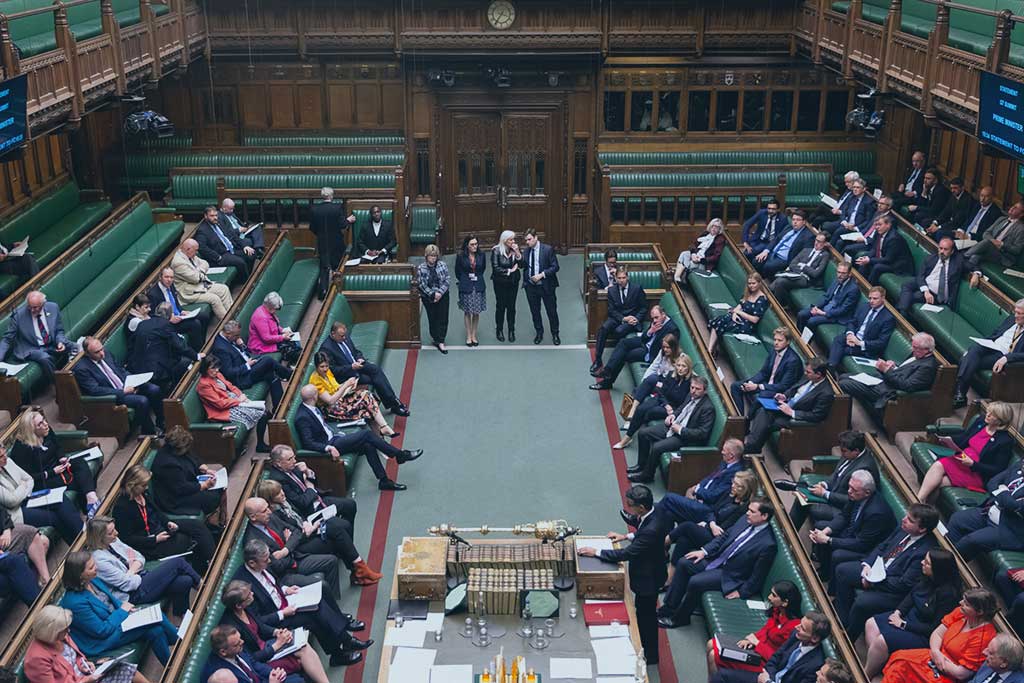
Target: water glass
{"x":399,"y":620}
{"x":469,"y":627}
{"x":438,"y":636}
{"x":573,"y":611}
{"x":549,"y":627}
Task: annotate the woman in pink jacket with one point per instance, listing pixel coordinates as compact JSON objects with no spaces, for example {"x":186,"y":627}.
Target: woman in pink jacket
{"x":265,"y":332}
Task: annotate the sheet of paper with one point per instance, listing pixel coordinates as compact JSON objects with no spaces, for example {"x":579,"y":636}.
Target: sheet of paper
{"x":411,"y":665}
{"x":788,"y":273}
{"x":51,"y":497}
{"x":307,"y":597}
{"x":216,"y":271}
{"x":19,"y":250}
{"x":877,"y":194}
{"x":866,"y":379}
{"x":186,"y":315}
{"x":254,"y":404}
{"x":942,"y":528}
{"x":801,"y":498}
{"x":718,"y":371}
{"x":137,"y":380}
{"x":1013,"y":273}
{"x":851,"y":237}
{"x":221,"y":477}
{"x":110,"y":663}
{"x":571,"y":667}
{"x":757,"y":604}
{"x":615,"y":679}
{"x":847,"y":258}
{"x":300,"y":638}
{"x":806,"y":334}
{"x":435,"y":621}
{"x":171,"y":557}
{"x":12,"y":369}
{"x":828,"y":201}
{"x":966,"y":244}
{"x":451,"y":673}
{"x":610,"y":631}
{"x":720,"y":306}
{"x":296,"y":337}
{"x":747,"y":338}
{"x":185,"y":621}
{"x":989,"y":344}
{"x":877,"y":571}
{"x":143,"y":616}
{"x":412,"y":634}
{"x":352,"y":262}
{"x":861,"y":360}
{"x":931,"y":308}
{"x":250,"y":229}
{"x":702,"y":274}
{"x":89,"y":454}
{"x":323,"y":514}
{"x":600,"y":544}
{"x":615,"y":656}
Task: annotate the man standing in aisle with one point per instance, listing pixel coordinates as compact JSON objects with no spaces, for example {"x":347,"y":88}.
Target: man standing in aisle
{"x":329,"y":222}
{"x":647,"y":569}
{"x":540,"y":284}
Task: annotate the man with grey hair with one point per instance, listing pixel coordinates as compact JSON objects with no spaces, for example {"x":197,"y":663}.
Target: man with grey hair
{"x":1008,"y":337}
{"x":855,"y":213}
{"x":35,"y":333}
{"x":915,"y":373}
{"x":229,"y":219}
{"x":1003,"y":657}
{"x":245,"y":370}
{"x":864,"y":522}
{"x":826,"y":213}
{"x":328,"y":222}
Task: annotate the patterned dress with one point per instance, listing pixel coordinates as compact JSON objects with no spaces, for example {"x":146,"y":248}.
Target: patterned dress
{"x":356,"y":405}
{"x":724,"y":324}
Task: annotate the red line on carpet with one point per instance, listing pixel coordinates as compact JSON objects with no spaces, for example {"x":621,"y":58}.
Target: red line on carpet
{"x":382,"y":520}
{"x":666,"y":668}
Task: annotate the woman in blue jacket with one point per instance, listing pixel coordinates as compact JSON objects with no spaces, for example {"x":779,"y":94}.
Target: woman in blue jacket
{"x":96,"y":626}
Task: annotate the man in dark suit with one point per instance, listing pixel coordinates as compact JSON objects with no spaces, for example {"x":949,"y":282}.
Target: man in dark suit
{"x":604,"y":272}
{"x":857,"y":599}
{"x":865,"y":520}
{"x":824,"y":212}
{"x":348,"y":361}
{"x":222,"y":247}
{"x":798,"y":659}
{"x":776,"y":258}
{"x":867,"y":334}
{"x":228,"y":218}
{"x":332,"y":627}
{"x":853,"y":456}
{"x":996,"y":524}
{"x":780,"y":371}
{"x":932,"y":200}
{"x":1002,"y":243}
{"x":735,"y":563}
{"x":641,"y":348}
{"x":376,"y":242}
{"x":298,"y":481}
{"x":292,"y":556}
{"x":700,"y":499}
{"x":1009,"y":335}
{"x":805,"y":270}
{"x":328,"y":221}
{"x":855,"y":215}
{"x":194,"y":328}
{"x":35,"y":333}
{"x":858,"y":243}
{"x":22,"y":267}
{"x":627,"y":307}
{"x":887,"y":252}
{"x":761,"y":229}
{"x":691,"y":427}
{"x":838,"y":304}
{"x":809,"y":401}
{"x":916,"y":373}
{"x":159,"y":349}
{"x":646,"y":557}
{"x":539,"y":283}
{"x":243,"y":370}
{"x":955,"y":214}
{"x":910,"y":189}
{"x":938,"y":283}
{"x":982,"y":214}
{"x":315,"y":435}
{"x":227,"y":653}
{"x":100,"y":374}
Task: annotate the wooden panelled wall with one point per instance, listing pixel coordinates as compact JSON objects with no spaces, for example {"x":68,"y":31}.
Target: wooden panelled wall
{"x":22,"y":176}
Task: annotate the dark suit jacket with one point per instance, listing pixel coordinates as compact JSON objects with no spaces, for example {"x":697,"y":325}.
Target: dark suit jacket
{"x":215,"y":663}
{"x":954,"y":215}
{"x":746,"y":570}
{"x":859,"y":214}
{"x":340,"y":365}
{"x":156,"y":297}
{"x":131,"y":527}
{"x":232,"y":365}
{"x":252,"y":646}
{"x":601,"y":275}
{"x":463,"y":271}
{"x":93,"y":382}
{"x":814,"y":272}
{"x":916,"y":376}
{"x":905,"y":569}
{"x":174,"y":476}
{"x":805,"y":670}
{"x":38,"y":462}
{"x":996,"y":454}
{"x":654,"y":345}
{"x":367,"y":241}
{"x":547,"y":263}
{"x":918,"y":184}
{"x":328,"y":222}
{"x":306,"y":501}
{"x":754,"y":227}
{"x":931,"y":205}
{"x":814,"y":405}
{"x":211,"y":248}
{"x":788,"y":374}
{"x":1016,"y":354}
{"x":645,"y":555}
{"x":635,"y":303}
{"x":954,"y":269}
{"x":840,"y":300}
{"x":877,"y":334}
{"x":311,"y":433}
{"x":859,"y":534}
{"x":702,"y":420}
{"x":716,"y":485}
{"x":839,"y":482}
{"x":158,"y":348}
{"x":1011,"y":505}
{"x":895,"y":252}
{"x":993,"y":214}
{"x":281,"y":565}
{"x":804,"y":239}
{"x":263,"y":604}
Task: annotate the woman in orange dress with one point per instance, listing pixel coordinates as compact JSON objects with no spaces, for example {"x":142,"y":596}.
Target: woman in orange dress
{"x":956,"y":647}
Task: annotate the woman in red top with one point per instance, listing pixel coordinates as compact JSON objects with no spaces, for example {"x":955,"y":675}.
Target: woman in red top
{"x":783,"y":612}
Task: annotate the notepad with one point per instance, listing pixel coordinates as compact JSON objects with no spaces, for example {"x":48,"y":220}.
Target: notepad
{"x":746,"y":338}
{"x":323,"y":514}
{"x":866,"y":379}
{"x":46,"y":497}
{"x":300,"y":638}
{"x":308,"y":597}
{"x":110,"y":663}
{"x":251,"y":228}
{"x":254,"y":404}
{"x":352,"y":262}
{"x":720,"y":306}
{"x":143,"y":616}
{"x":296,"y":337}
{"x":221,"y":477}
{"x":19,"y":250}
{"x":851,"y":237}
{"x":861,"y":360}
{"x":132,"y":381}
{"x":11,"y":369}
{"x":768,"y":403}
{"x":185,"y":315}
{"x":967,"y":244}
{"x":806,"y":334}
{"x":186,"y":619}
{"x":757,"y":604}
{"x":828,"y":201}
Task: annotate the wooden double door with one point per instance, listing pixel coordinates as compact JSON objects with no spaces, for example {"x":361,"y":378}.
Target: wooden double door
{"x":504,"y":172}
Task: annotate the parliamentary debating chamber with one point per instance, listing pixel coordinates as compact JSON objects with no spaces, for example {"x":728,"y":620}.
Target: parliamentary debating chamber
{"x":696,"y":325}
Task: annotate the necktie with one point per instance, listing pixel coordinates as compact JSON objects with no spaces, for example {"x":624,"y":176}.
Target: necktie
{"x":241,"y":352}
{"x":898,"y":548}
{"x":856,"y":206}
{"x":302,"y":485}
{"x":770,"y":231}
{"x":973,"y":225}
{"x":800,"y":394}
{"x":860,"y":508}
{"x":43,"y":334}
{"x":172,"y":300}
{"x":731,"y":550}
{"x":273,"y":534}
{"x":835,"y":292}
{"x":992,"y":678}
{"x":878,"y":246}
{"x":912,"y":179}
{"x":280,"y":593}
{"x":1016,"y":337}
{"x":348,"y":354}
{"x":533,"y":260}
{"x":814,"y":257}
{"x":224,"y":240}
{"x":867,"y":321}
{"x":323,"y":424}
{"x":1005,"y":230}
{"x":838,"y":474}
{"x":120,"y":558}
{"x":789,"y":663}
{"x":942,"y":282}
{"x":623,"y":292}
{"x":115,"y":381}
{"x":246,"y":669}
{"x":775,"y":367}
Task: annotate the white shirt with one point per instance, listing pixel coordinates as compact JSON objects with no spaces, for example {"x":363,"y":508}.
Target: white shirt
{"x":643,"y":518}
{"x":269,"y":584}
{"x":931,"y":282}
{"x":320,"y":419}
{"x":35,"y":327}
{"x":684,"y":415}
{"x":376,"y":228}
{"x":1006,"y":338}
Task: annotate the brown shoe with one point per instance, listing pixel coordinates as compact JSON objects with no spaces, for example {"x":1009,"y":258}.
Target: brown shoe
{"x":362,"y":575}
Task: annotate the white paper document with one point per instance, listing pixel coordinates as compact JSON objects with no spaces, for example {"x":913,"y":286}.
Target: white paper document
{"x":847,"y":258}
{"x":138,"y":380}
{"x":598,"y":544}
{"x":185,"y":621}
{"x":615,"y":679}
{"x":411,"y":634}
{"x":143,"y":616}
{"x":720,"y":306}
{"x":877,"y":194}
{"x":806,"y":334}
{"x":352,"y":262}
{"x":323,"y":514}
{"x":877,"y":571}
{"x":931,"y":308}
{"x":942,"y":528}
{"x":966,"y":244}
{"x":757,"y":605}
{"x":571,"y":667}
{"x":51,"y":497}
{"x":216,"y":271}
{"x":615,"y":656}
{"x":307,"y":597}
{"x":866,"y":379}
{"x":11,"y":369}
{"x":852,"y":237}
{"x":434,"y":621}
{"x":861,"y":360}
{"x":188,"y":315}
{"x":990,"y":344}
{"x":788,"y":273}
{"x":171,"y":557}
{"x":19,"y":250}
{"x":111,"y":663}
{"x":89,"y":454}
{"x":828,"y":201}
{"x":610,"y":631}
{"x":747,"y":338}
{"x":250,"y":229}
{"x":300,"y":638}
{"x":221,"y":477}
{"x":296,"y":337}
{"x":451,"y":673}
{"x":1013,"y":273}
{"x":718,"y":371}
{"x":254,"y":404}
{"x":411,"y":665}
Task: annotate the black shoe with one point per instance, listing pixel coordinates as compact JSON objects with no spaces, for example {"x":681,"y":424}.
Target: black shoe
{"x":664,"y":588}
{"x":601,"y":386}
{"x":262,"y":447}
{"x":321,"y":295}
{"x":629,"y":519}
{"x":539,"y":338}
{"x":640,"y":478}
{"x":407,"y":456}
{"x":555,"y":339}
{"x":400,"y":409}
{"x":443,"y":351}
{"x":597,"y":373}
{"x":633,"y":469}
{"x":499,"y":335}
{"x":959,"y":400}
{"x":354,"y":626}
{"x":666,"y":622}
{"x":595,"y":368}
{"x":785,"y":485}
{"x":388,"y":485}
{"x":346,"y":658}
{"x":356,"y":644}
{"x":511,"y":335}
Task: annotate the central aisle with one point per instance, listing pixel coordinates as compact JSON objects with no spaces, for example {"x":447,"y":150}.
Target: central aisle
{"x":511,"y":435}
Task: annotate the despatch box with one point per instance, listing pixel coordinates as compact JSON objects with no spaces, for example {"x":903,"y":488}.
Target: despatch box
{"x":421,"y":568}
{"x":596,"y":579}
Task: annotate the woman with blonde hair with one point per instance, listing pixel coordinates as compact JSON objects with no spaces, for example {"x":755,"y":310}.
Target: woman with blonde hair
{"x":704,"y":253}
{"x":744,"y":316}
{"x":506,"y":266}
{"x":433,"y":281}
{"x":54,"y":657}
{"x":346,"y":401}
{"x":669,"y":394}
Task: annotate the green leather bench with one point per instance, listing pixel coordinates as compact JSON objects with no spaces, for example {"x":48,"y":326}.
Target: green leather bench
{"x":802,"y":187}
{"x":53,"y":224}
{"x":917,"y":18}
{"x":321,"y":140}
{"x":96,"y":282}
{"x":623,"y":255}
{"x":36,"y":34}
{"x":423,"y":225}
{"x":376,"y":282}
{"x":1010,"y":285}
{"x":196,"y":192}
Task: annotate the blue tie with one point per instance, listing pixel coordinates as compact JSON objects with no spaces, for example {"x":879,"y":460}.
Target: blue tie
{"x":782,"y":248}
{"x":173,"y":301}
{"x":789,"y":663}
{"x":348,"y":354}
{"x":867,"y":321}
{"x":223,"y":239}
{"x":733,"y":547}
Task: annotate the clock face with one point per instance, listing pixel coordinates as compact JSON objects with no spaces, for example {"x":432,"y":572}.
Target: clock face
{"x":501,"y":14}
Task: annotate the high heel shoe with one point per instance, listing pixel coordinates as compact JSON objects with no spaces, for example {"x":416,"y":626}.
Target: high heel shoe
{"x":622,"y":444}
{"x":392,"y":435}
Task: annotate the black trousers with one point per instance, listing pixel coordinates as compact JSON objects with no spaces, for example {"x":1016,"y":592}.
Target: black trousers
{"x":266,"y":369}
{"x":855,"y":605}
{"x":762,"y":424}
{"x":170,"y":580}
{"x":647,"y":625}
{"x":21,"y":267}
{"x":194,"y":331}
{"x":977,"y":358}
{"x":821,"y":515}
{"x":619,"y":330}
{"x":336,"y":541}
{"x":505,"y":303}
{"x":437,"y":317}
{"x":373,"y":375}
{"x":537,"y":294}
{"x":367,"y":442}
{"x":240,"y":261}
{"x":328,"y":623}
{"x":192,"y":533}
{"x":148,"y":402}
{"x":652,"y":444}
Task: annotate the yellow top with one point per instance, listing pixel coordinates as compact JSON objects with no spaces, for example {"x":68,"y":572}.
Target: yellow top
{"x":324,"y":384}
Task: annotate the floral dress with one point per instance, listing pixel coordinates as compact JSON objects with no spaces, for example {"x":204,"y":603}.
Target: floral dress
{"x":356,"y":405}
{"x":724,"y":324}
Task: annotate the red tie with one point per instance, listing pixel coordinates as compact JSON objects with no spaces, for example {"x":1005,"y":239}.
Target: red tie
{"x":878,"y":246}
{"x":246,"y":669}
{"x":42,"y":330}
{"x":280,"y":541}
{"x":775,"y":368}
{"x":272,"y":582}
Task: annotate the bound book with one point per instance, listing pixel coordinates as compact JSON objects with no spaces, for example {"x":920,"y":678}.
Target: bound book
{"x":603,"y":613}
{"x":729,"y":650}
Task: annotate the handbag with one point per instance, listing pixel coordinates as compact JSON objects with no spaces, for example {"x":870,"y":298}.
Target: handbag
{"x":628,"y":406}
{"x":290,"y":351}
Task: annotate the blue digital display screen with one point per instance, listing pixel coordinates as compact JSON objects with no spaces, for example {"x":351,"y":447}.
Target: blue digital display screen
{"x":1001,"y":114}
{"x":13,"y":114}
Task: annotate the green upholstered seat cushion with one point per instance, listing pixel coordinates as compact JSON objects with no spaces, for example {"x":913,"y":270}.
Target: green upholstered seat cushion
{"x":346,"y":140}
{"x":841,"y":6}
{"x":35,"y":34}
{"x":356,"y":281}
{"x":423,"y":225}
{"x":623,"y":255}
{"x":917,"y":18}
